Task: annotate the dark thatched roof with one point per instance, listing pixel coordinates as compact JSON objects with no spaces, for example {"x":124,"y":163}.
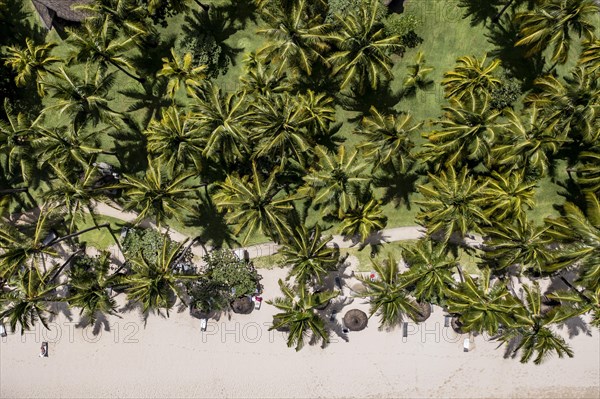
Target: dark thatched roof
{"x":355,"y":320}
{"x":51,"y":10}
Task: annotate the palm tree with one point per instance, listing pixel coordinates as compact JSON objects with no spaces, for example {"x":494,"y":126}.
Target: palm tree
{"x":182,"y":72}
{"x":452,"y":203}
{"x":308,"y":254}
{"x":335,"y":180}
{"x":156,"y":285}
{"x":468,"y":133}
{"x":223,"y":124}
{"x":572,"y":107}
{"x":20,"y":249}
{"x":471,"y":76}
{"x":262,"y":79}
{"x":430,"y":276}
{"x":363,"y":217}
{"x":588,"y":173}
{"x":253,"y":203}
{"x":90,"y":285}
{"x":363,"y":49}
{"x":388,"y":138}
{"x":102,"y":45}
{"x":299,"y":314}
{"x":521,"y":244}
{"x":294,"y":38}
{"x":127,"y":15}
{"x":27,"y":301}
{"x":175,"y":140}
{"x":553,"y":24}
{"x":579,"y":236}
{"x":387,"y":295}
{"x":417,"y":75}
{"x":71,"y":147}
{"x":319,"y":111}
{"x":279,"y":130}
{"x":528,"y":144}
{"x":590,"y":55}
{"x":483,"y":306}
{"x":532,"y":335}
{"x":32,"y":63}
{"x":16,"y":138}
{"x":158,"y":193}
{"x":509,"y":196}
{"x":84,"y":100}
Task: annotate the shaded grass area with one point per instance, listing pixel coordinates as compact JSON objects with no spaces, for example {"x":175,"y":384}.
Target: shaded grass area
{"x":100,"y":239}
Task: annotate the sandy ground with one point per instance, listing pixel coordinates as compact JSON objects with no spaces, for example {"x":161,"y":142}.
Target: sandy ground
{"x":239,"y":357}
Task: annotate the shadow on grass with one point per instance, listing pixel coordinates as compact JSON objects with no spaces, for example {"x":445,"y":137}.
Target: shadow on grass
{"x":215,"y":230}
{"x":383,"y":98}
{"x":398,"y":185}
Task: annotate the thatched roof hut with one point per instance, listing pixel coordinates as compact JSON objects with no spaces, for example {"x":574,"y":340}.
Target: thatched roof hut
{"x":59,"y":13}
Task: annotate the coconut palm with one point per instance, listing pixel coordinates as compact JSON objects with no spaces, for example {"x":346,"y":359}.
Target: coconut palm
{"x":255,"y":204}
{"x":363,"y":49}
{"x":483,"y":305}
{"x":521,"y":244}
{"x":299,"y":314}
{"x":262,"y":79}
{"x":127,"y":15}
{"x":223,"y":124}
{"x":590,"y":55}
{"x":308,"y":254}
{"x":430,"y":275}
{"x":319,"y":111}
{"x":83,"y":100}
{"x":182,"y":72}
{"x":471,"y":76}
{"x":363,"y":217}
{"x":528,"y":143}
{"x":21,"y":249}
{"x":279,"y":130}
{"x":102,"y":45}
{"x":155,"y":284}
{"x":467,"y":134}
{"x":32,"y":63}
{"x":388,"y":138}
{"x":295,"y":39}
{"x":175,"y":141}
{"x":16,"y":138}
{"x":580,"y":302}
{"x":158,"y":193}
{"x":509,"y":196}
{"x":387,"y":295}
{"x":554,"y":23}
{"x":90,"y":286}
{"x":533,"y":335}
{"x":75,"y":194}
{"x":335,"y":180}
{"x":71,"y":147}
{"x":26,"y":303}
{"x":417,"y":77}
{"x":452,"y":203}
{"x":579,"y":236}
{"x":573,"y":106}
{"x":588,"y":173}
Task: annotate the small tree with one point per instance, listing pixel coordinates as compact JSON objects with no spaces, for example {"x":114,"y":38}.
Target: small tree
{"x":224,"y":278}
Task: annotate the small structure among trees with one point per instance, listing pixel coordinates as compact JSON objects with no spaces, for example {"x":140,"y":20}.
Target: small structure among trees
{"x":59,"y":14}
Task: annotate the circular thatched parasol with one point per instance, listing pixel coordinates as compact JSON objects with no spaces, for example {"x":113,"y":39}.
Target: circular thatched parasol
{"x":359,"y":288}
{"x":355,"y":320}
{"x":424,"y":312}
{"x":243,"y":305}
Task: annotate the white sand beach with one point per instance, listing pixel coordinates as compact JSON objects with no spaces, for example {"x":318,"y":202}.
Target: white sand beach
{"x":240,"y":358}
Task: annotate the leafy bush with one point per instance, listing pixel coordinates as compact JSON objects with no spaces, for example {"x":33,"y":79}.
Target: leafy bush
{"x":224,"y":278}
{"x":505,"y":95}
{"x":405,"y":26}
{"x":343,"y":8}
{"x":148,"y":243}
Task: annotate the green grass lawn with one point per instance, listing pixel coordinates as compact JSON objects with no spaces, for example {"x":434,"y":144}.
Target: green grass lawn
{"x":100,"y":239}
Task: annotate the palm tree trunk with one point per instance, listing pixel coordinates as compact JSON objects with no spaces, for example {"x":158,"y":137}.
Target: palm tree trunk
{"x":460,"y":272}
{"x":203,"y":6}
{"x":13,"y":190}
{"x":60,"y":269}
{"x":497,"y":17}
{"x":77,"y":233}
{"x":132,"y":76}
{"x":571,"y":286}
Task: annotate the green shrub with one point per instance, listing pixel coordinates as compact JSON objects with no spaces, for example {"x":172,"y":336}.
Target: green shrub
{"x":505,"y":95}
{"x":405,"y":26}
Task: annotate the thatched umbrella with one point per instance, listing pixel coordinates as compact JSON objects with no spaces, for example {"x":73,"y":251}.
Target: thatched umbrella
{"x":423,"y":313}
{"x":359,"y":288}
{"x":355,"y":320}
{"x":243,"y":305}
{"x":456,"y":325}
